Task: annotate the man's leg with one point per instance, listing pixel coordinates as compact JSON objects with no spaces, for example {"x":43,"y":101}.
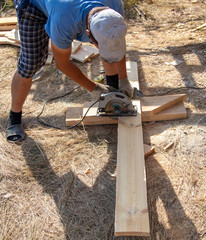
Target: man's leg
{"x":111,"y":74}
{"x":34,"y":51}
{"x":20,"y":88}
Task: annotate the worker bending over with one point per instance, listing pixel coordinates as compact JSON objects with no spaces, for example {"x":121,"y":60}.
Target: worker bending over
{"x":98,"y":21}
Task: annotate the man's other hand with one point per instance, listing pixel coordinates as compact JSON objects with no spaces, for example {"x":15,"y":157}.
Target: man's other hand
{"x":101,"y":89}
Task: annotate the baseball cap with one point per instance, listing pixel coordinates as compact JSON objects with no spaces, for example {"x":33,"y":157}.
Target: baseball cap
{"x":109,"y":29}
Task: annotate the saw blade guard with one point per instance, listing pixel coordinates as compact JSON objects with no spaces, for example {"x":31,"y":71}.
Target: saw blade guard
{"x":115,"y":104}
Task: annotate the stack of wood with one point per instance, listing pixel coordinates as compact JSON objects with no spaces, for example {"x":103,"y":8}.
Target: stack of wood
{"x":83,"y":52}
{"x":9,"y":34}
{"x":8,"y":23}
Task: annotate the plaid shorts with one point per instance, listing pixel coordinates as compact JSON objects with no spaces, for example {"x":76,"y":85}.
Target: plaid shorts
{"x":34,"y":40}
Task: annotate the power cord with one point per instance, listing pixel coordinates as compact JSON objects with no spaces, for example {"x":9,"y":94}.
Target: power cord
{"x":41,"y":121}
{"x":175,"y":89}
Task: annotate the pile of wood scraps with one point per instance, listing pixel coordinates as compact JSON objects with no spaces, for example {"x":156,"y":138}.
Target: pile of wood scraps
{"x":83,"y":52}
{"x":8,"y":23}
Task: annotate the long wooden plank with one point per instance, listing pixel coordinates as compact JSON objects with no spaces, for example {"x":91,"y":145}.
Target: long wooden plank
{"x":8,"y":21}
{"x":131,"y":212}
{"x":74,"y":114}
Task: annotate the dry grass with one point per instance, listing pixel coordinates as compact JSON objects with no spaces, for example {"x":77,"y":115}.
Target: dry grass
{"x":46,"y":192}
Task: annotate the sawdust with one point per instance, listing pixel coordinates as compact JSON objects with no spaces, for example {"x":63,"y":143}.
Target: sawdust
{"x":46,"y":192}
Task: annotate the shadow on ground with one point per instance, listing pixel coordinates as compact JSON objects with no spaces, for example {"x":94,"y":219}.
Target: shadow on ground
{"x":84,"y":210}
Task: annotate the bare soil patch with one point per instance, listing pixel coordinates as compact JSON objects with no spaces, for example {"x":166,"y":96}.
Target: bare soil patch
{"x":46,"y":191}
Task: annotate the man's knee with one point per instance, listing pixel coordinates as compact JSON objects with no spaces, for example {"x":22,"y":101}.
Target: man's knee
{"x":27,"y":68}
{"x":27,"y":72}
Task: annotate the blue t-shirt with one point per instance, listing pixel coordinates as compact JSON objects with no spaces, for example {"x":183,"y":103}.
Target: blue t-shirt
{"x":66,"y":18}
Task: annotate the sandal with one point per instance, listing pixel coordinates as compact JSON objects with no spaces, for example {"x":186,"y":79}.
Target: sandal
{"x":15,"y":133}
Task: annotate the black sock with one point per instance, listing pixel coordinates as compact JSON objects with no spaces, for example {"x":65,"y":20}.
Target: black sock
{"x":113,"y":81}
{"x":15,"y":117}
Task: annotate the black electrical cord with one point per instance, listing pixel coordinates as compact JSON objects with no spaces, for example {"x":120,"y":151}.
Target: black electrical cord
{"x":41,"y":121}
{"x":174,"y":89}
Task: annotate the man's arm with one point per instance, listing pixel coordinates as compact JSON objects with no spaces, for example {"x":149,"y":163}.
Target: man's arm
{"x":61,"y":57}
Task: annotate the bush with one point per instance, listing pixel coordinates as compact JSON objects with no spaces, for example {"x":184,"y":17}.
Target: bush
{"x":130,"y":8}
{"x":5,"y":4}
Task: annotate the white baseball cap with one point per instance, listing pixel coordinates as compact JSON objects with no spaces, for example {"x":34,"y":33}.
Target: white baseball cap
{"x":109,"y":29}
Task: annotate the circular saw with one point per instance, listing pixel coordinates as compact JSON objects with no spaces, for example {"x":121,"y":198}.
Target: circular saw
{"x":116,"y":104}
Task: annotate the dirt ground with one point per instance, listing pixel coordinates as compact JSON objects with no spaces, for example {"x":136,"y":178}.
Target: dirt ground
{"x":45,"y":192}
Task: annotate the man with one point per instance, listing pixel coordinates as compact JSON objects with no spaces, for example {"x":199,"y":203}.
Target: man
{"x":98,"y":21}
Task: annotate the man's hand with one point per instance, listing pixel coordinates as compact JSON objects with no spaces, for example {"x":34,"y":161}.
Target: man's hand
{"x":125,"y":87}
{"x":101,"y":89}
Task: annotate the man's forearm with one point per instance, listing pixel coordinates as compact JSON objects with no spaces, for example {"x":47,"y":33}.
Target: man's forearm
{"x":74,"y":73}
{"x":61,"y":57}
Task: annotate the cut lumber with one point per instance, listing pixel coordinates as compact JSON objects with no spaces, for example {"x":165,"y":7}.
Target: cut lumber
{"x":148,"y":150}
{"x":49,"y":59}
{"x":177,"y":111}
{"x":50,"y":47}
{"x":131,"y":212}
{"x":13,"y":35}
{"x":8,"y":21}
{"x":5,"y":40}
{"x":153,"y":105}
{"x":92,"y":49}
{"x":3,"y":33}
{"x":76,"y":45}
{"x":85,"y":53}
{"x":8,"y":27}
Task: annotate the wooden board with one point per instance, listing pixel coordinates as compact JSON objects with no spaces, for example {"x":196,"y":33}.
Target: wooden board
{"x":85,"y":53}
{"x":5,"y":40}
{"x":74,"y":114}
{"x":8,"y":21}
{"x":49,"y":59}
{"x":177,"y":111}
{"x":131,"y":212}
{"x":148,"y":150}
{"x":13,"y":35}
{"x":154,"y":105}
{"x":3,"y":33}
{"x":92,"y":49}
{"x":76,"y":45}
{"x":8,"y":27}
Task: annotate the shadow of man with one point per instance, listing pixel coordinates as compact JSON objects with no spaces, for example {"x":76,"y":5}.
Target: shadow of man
{"x":176,"y":224}
{"x":88,"y":212}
